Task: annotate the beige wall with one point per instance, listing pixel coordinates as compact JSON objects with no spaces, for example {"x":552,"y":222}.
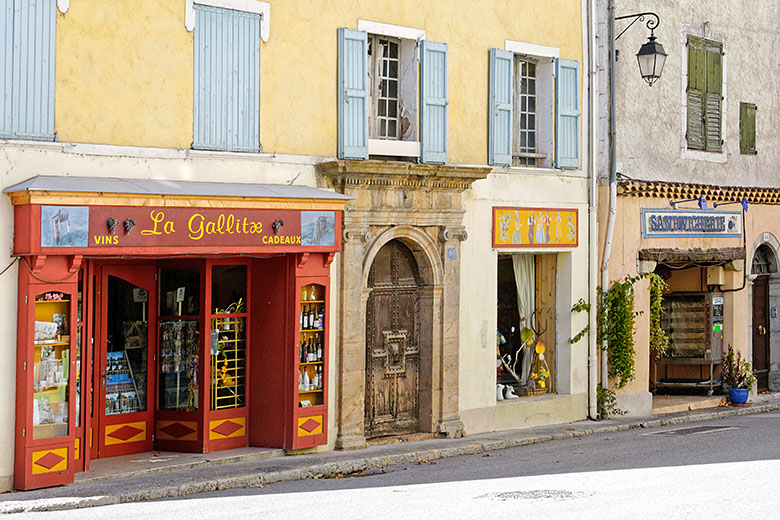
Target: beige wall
{"x":479,"y":408}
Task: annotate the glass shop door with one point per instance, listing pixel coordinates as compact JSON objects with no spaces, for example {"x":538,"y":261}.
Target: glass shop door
{"x":124,"y":357}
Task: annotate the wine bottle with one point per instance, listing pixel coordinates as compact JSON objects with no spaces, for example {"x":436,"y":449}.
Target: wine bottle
{"x":302,"y":327}
{"x":311,"y":317}
{"x":305,"y":317}
{"x":300,"y":381}
{"x":306,"y":380}
{"x":312,"y":352}
{"x":319,"y":349}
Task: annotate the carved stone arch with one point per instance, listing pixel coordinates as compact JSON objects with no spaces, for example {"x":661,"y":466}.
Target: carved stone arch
{"x":419,"y":243}
{"x":765,"y":241}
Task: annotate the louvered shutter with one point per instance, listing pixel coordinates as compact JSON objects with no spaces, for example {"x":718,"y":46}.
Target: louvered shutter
{"x":500,"y":116}
{"x":226,"y":80}
{"x":747,"y":128}
{"x":714,"y":96}
{"x":434,"y":96}
{"x":28,"y":37}
{"x":353,"y":95}
{"x":567,"y":113}
{"x":696,"y":93}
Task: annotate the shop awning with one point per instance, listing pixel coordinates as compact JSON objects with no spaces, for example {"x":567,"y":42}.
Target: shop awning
{"x":689,"y":256}
{"x":46,"y":189}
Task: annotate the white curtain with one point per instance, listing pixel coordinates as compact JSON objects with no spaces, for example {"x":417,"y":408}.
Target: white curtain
{"x":525,"y":279}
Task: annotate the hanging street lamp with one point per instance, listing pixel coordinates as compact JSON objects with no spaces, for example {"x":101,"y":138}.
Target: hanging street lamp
{"x":651,"y":55}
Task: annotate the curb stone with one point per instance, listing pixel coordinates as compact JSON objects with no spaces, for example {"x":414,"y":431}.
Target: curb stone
{"x":331,"y":469}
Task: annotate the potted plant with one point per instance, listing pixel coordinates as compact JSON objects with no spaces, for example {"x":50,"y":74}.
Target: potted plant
{"x":737,"y":376}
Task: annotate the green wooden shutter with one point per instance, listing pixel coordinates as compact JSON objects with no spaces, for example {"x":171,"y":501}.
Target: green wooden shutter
{"x":747,"y":128}
{"x":714,"y":96}
{"x":696,"y":93}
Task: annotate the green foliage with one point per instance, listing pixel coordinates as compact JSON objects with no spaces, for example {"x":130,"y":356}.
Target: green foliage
{"x":580,"y":306}
{"x":736,"y":372}
{"x":606,"y":402}
{"x":659,"y":343}
{"x":617,"y":322}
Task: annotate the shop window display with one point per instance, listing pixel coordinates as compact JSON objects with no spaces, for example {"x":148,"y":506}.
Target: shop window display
{"x":178,"y":343}
{"x":228,"y":336}
{"x":51,"y":365}
{"x":525,"y":337}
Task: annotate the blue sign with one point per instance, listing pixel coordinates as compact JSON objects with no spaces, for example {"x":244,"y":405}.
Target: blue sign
{"x":666,"y":223}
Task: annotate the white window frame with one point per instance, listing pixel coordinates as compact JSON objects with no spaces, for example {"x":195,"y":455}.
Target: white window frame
{"x":685,"y":152}
{"x":408,"y":36}
{"x":249,"y":6}
{"x":544,"y":57}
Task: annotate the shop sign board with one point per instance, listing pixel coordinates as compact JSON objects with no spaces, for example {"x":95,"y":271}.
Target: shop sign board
{"x":535,"y":227}
{"x":133,"y":227}
{"x":669,"y":223}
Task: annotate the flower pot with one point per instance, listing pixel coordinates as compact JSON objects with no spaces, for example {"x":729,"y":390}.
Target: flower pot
{"x":738,"y":395}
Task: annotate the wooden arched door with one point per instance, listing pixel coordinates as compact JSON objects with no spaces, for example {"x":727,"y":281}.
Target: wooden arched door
{"x":392,"y":343}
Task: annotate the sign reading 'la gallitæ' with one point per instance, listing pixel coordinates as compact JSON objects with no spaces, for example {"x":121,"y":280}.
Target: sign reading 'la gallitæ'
{"x":140,"y":227}
{"x":664,"y":223}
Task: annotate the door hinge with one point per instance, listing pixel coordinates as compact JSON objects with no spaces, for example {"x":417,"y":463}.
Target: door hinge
{"x":25,"y":299}
{"x":25,"y":365}
{"x":152,"y":437}
{"x":155,"y":276}
{"x":24,"y":432}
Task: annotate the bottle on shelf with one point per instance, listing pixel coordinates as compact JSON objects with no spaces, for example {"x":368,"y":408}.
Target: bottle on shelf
{"x":312,"y":323}
{"x":319,"y":348}
{"x":312,"y":353}
{"x":302,"y":327}
{"x":300,"y":380}
{"x":305,"y":318}
{"x":306,"y":380}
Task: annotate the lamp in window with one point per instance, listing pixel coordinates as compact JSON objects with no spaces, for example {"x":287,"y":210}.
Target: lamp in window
{"x":651,"y":55}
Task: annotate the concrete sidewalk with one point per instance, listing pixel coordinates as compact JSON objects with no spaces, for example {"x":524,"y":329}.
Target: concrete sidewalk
{"x":257,"y":467}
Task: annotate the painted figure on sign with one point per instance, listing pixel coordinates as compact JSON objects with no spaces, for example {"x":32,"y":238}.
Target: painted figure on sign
{"x":531,"y":224}
{"x":540,"y":225}
{"x":60,"y":224}
{"x":571,"y":233}
{"x":517,"y":235}
{"x":503,"y":227}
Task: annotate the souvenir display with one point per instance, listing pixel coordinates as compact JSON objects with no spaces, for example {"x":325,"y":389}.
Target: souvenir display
{"x":179,"y":360}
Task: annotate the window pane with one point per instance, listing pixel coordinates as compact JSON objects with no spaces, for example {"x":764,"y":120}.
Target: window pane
{"x":382,"y":107}
{"x":51,"y":365}
{"x":127,"y":350}
{"x":393,"y":93}
{"x":228,"y":362}
{"x":228,"y":288}
{"x":391,"y":128}
{"x":523,"y":122}
{"x":393,"y":50}
{"x":392,"y":109}
{"x":179,"y":361}
{"x":531,"y":86}
{"x":382,"y":128}
{"x":393,"y":69}
{"x":179,"y":292}
{"x":531,"y":104}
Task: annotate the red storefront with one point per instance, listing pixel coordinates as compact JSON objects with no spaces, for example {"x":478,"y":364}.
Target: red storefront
{"x":168,"y":316}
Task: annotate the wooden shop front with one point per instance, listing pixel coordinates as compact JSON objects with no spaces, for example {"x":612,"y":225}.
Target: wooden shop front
{"x":168,"y":316}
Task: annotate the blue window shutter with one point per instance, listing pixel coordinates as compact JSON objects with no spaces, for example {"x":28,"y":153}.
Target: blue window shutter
{"x":226,"y":80}
{"x":28,"y":35}
{"x":434,"y":96}
{"x":500,"y":115}
{"x":353,"y":94}
{"x":567,"y":113}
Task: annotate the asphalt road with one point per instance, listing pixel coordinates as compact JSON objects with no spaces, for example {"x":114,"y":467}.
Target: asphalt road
{"x":734,"y":439}
{"x":708,"y":469}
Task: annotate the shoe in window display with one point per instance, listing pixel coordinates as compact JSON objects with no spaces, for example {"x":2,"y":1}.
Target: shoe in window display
{"x":509,"y":392}
{"x":499,"y":392}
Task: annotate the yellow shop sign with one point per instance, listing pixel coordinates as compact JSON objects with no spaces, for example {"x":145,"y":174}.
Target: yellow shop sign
{"x":535,"y":227}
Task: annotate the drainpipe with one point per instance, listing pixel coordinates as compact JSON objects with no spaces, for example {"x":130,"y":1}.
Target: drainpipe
{"x":593,"y":257}
{"x":612,"y":180}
